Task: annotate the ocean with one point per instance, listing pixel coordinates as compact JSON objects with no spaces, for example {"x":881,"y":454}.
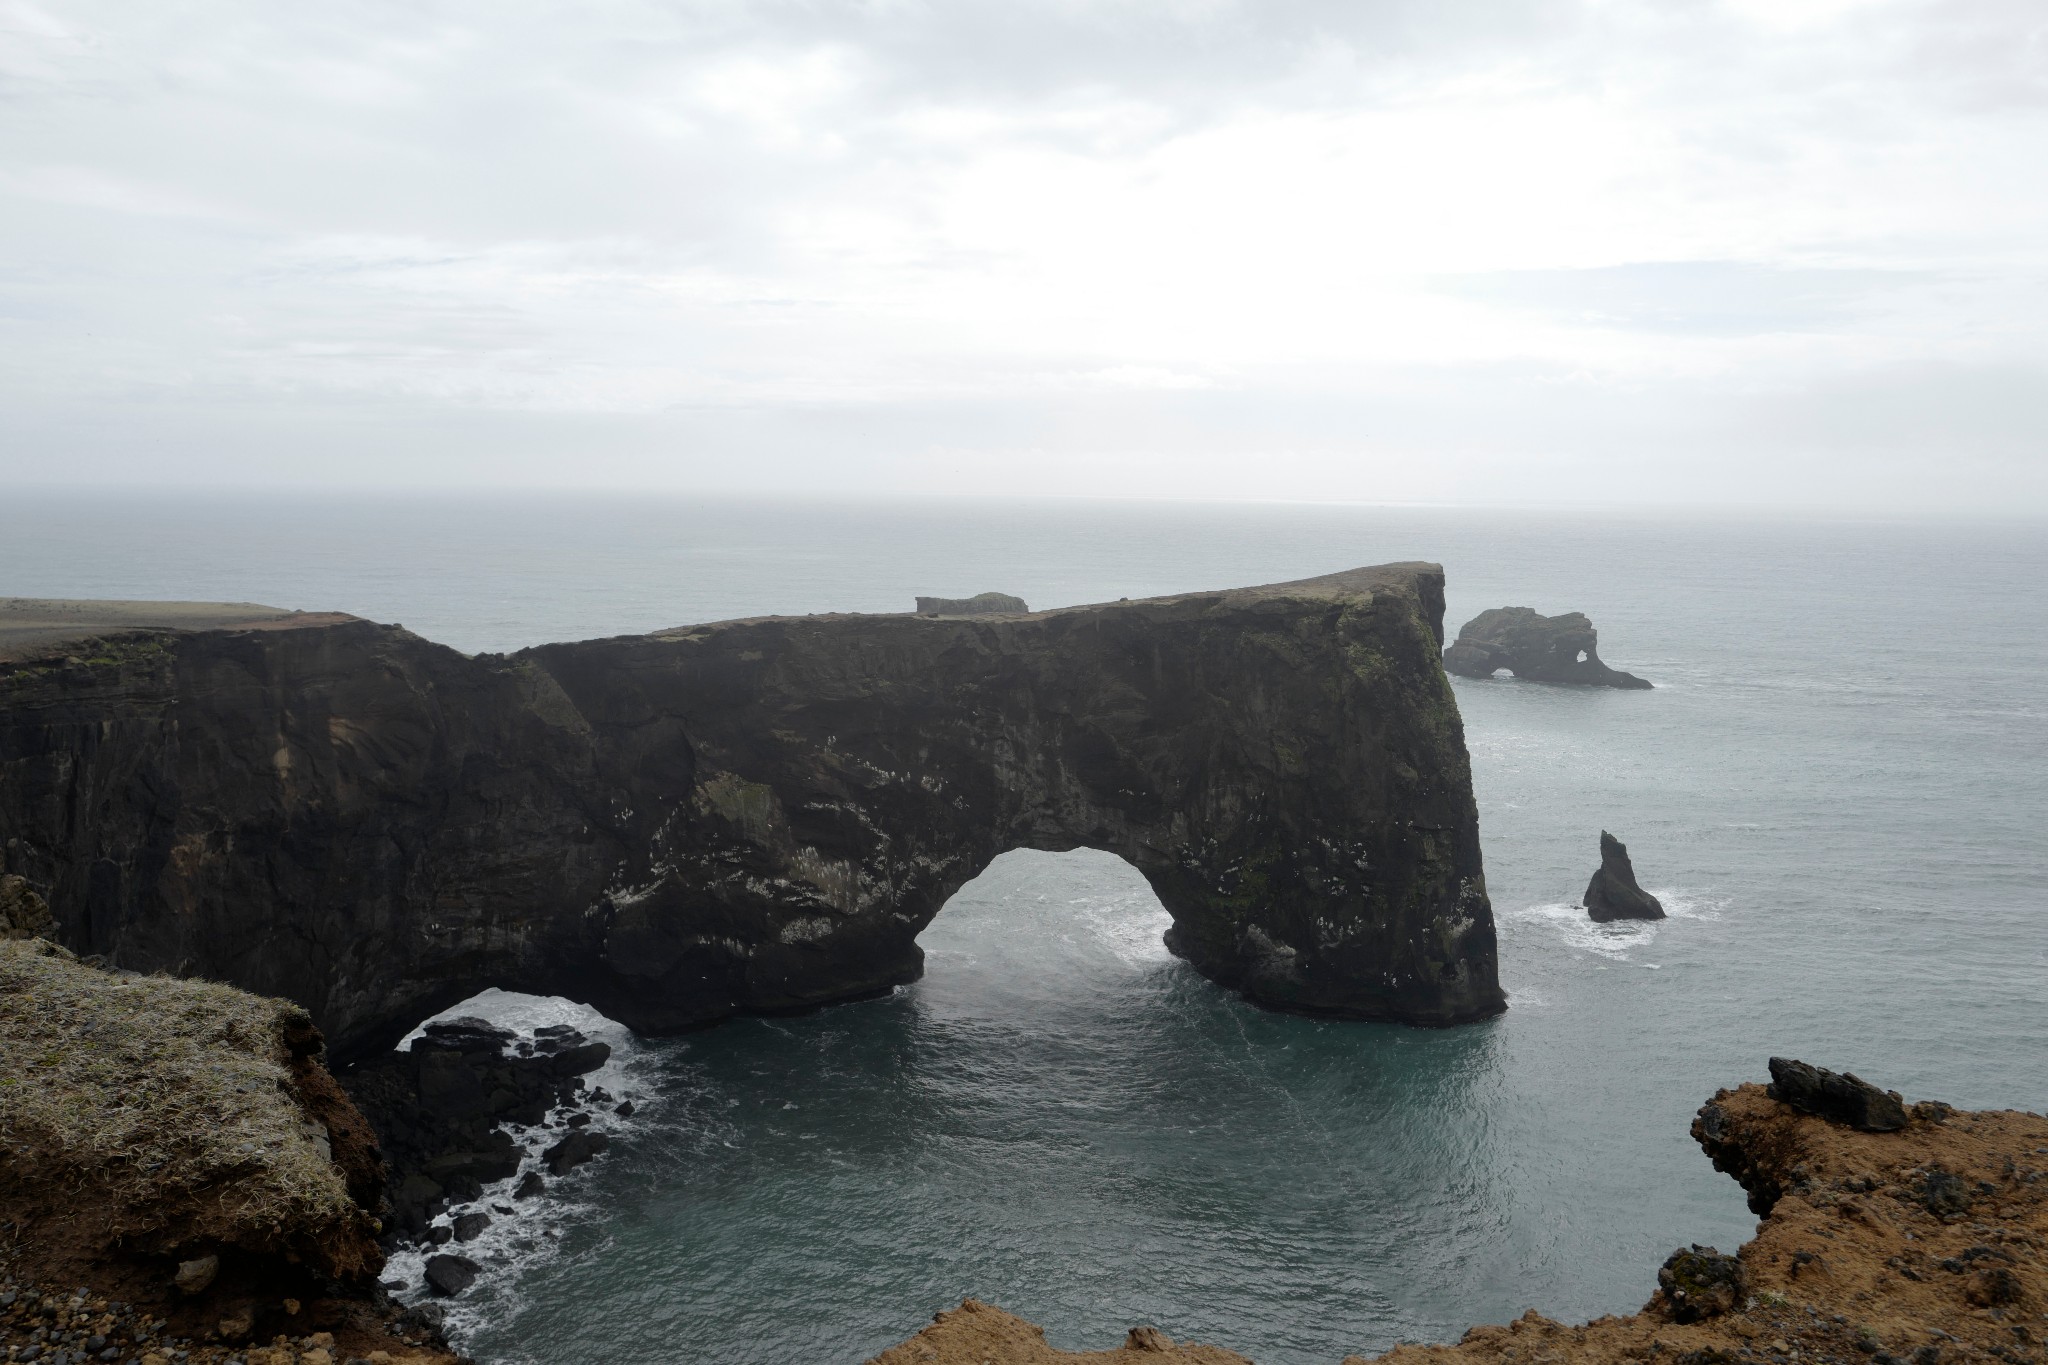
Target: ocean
{"x":1839,"y":787}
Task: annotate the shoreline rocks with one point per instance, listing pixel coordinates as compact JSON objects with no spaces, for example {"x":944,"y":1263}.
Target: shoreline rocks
{"x":1535,"y":648}
{"x":453,"y":1110}
{"x":1613,"y":893}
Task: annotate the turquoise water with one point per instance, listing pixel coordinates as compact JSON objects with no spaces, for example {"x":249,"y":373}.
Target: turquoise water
{"x":1839,"y":786}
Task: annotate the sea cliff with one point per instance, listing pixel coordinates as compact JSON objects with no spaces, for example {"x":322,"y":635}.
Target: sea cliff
{"x":754,"y":815}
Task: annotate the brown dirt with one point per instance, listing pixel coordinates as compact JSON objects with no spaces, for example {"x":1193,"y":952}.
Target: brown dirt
{"x":1917,"y":1247}
{"x":975,"y":1333}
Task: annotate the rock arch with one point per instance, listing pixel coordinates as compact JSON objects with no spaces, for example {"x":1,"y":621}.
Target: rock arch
{"x":760,"y":815}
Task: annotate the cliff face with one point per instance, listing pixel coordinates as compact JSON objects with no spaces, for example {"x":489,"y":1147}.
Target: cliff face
{"x":756,"y":815}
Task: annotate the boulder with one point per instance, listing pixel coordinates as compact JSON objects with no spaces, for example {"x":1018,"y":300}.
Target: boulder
{"x":1553,"y":649}
{"x":1613,"y":893}
{"x":470,"y":1226}
{"x":1846,"y":1098}
{"x":1701,"y":1283}
{"x":448,"y":1275}
{"x":572,"y":1151}
{"x":195,"y":1275}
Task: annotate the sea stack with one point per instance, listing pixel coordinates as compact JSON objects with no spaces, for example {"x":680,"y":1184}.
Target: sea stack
{"x":1535,"y":648}
{"x":1613,"y":893}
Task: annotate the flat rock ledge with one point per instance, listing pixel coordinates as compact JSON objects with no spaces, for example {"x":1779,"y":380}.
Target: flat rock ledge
{"x":1921,"y":1244}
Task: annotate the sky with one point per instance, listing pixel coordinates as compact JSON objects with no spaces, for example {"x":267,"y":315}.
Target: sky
{"x":1783,"y":253}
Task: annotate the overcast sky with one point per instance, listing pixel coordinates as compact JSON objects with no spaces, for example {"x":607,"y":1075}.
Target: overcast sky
{"x":1791,"y":252}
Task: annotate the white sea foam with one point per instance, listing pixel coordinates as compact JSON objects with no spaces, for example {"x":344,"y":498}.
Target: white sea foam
{"x":1130,"y":927}
{"x":1619,"y":938}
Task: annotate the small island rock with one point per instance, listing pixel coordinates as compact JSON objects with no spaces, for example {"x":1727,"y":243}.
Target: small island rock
{"x":1613,"y":893}
{"x":1555,"y":649}
{"x":981,"y":604}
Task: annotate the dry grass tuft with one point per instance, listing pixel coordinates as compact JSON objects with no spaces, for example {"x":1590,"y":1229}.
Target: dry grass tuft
{"x":155,"y":1092}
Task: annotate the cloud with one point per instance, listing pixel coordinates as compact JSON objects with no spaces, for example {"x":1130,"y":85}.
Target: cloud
{"x":1467,"y":247}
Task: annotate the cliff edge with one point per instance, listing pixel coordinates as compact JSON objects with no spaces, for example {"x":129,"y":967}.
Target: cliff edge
{"x":755,"y":815}
{"x":178,"y":1148}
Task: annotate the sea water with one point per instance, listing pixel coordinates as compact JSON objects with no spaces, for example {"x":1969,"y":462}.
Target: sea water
{"x":1839,"y":789}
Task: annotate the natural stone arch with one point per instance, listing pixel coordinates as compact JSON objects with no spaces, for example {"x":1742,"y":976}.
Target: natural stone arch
{"x":761,"y":815}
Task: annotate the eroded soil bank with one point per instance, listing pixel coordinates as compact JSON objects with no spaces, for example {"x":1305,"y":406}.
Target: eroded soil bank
{"x":1920,"y":1245}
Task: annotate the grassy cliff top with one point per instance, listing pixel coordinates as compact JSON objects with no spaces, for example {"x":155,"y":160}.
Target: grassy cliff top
{"x":171,"y":1101}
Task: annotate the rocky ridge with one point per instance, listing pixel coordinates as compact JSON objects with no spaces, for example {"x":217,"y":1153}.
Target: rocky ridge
{"x":1891,"y":1234}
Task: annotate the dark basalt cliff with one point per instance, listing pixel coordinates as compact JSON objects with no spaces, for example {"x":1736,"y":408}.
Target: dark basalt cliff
{"x":756,"y":815}
{"x":1555,"y":649}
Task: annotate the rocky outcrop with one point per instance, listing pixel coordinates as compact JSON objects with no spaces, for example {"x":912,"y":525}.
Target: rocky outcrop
{"x":1920,"y":1244}
{"x":452,"y":1107}
{"x":756,"y":815}
{"x":1613,"y":893}
{"x":1554,"y":649}
{"x":179,"y":1149}
{"x":981,"y":604}
{"x":1846,"y":1099}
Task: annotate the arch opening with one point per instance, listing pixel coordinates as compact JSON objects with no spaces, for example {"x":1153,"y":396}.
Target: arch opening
{"x":1036,"y":922}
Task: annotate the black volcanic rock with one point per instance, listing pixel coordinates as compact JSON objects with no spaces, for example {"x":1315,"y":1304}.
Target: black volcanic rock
{"x":755,"y":815}
{"x":449,"y":1275}
{"x":1556,"y":649}
{"x":1613,"y":893}
{"x":1845,"y":1098}
{"x":981,"y":604}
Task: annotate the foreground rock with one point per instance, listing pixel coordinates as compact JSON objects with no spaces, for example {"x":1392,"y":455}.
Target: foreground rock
{"x":1922,"y":1245}
{"x":1613,"y":893}
{"x":976,"y":1334}
{"x":981,"y":604}
{"x":756,"y":815}
{"x":1555,"y":649}
{"x":178,"y":1149}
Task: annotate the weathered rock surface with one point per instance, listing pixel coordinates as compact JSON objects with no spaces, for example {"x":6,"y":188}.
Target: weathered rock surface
{"x":981,"y":604}
{"x":1613,"y":893}
{"x":756,"y":815}
{"x":1850,"y":1263}
{"x":1556,"y":649}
